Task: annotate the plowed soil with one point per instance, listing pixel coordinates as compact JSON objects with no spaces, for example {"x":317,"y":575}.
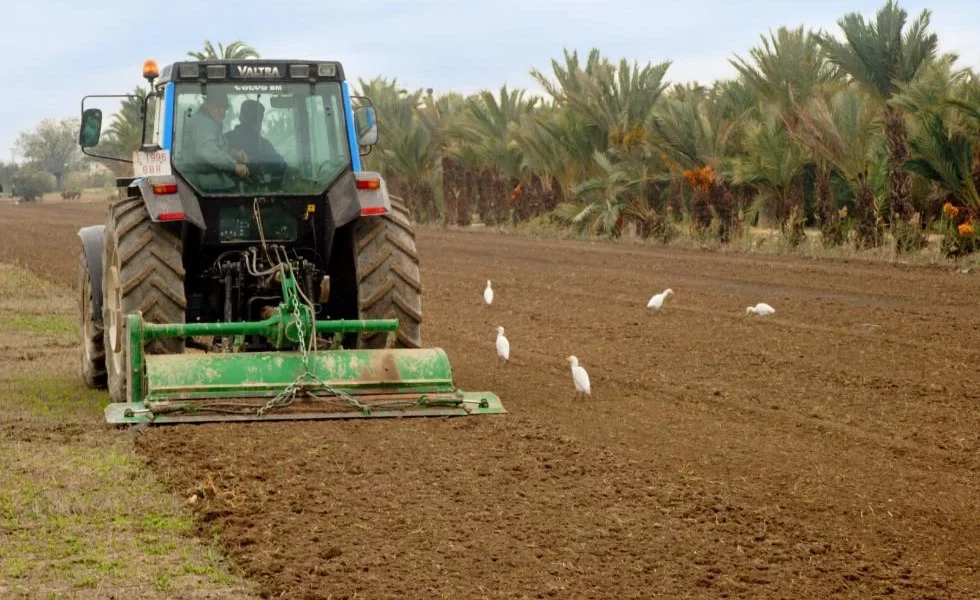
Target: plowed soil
{"x":831,"y":450}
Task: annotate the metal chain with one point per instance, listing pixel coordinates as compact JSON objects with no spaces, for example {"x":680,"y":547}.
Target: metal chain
{"x":288,"y":395}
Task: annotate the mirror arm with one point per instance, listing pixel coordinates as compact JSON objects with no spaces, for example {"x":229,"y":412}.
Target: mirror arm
{"x":122,"y":160}
{"x":102,"y":156}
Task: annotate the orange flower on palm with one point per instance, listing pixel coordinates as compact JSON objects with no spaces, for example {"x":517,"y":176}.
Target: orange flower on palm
{"x":965,"y":229}
{"x":699,"y":178}
{"x":950,"y":210}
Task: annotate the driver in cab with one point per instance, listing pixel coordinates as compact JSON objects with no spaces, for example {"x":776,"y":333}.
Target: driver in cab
{"x":247,"y":138}
{"x":211,"y":156}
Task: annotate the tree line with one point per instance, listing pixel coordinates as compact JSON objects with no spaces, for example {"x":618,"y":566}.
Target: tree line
{"x":872,"y":137}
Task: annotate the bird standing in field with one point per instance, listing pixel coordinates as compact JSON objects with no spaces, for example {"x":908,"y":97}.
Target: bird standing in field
{"x":579,"y":377}
{"x":657,"y":301}
{"x":503,"y":345}
{"x":762,"y":309}
{"x":488,"y":294}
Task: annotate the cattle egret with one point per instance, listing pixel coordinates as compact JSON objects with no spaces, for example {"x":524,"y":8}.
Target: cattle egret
{"x":488,"y":294}
{"x":658,"y":301}
{"x":762,"y":309}
{"x":503,"y":344}
{"x":579,"y":377}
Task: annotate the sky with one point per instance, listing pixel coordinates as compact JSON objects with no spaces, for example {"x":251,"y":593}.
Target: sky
{"x":56,"y":51}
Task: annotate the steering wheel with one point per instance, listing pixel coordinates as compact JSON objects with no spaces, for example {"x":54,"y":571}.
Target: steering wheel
{"x":256,"y":177}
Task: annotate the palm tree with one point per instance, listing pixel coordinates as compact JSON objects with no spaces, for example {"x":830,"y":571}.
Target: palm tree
{"x":691,"y":135}
{"x":773,"y":162}
{"x":556,"y":148}
{"x":880,"y":56}
{"x":235,"y":50}
{"x":407,"y":153}
{"x":441,"y":117}
{"x":786,"y":71}
{"x":788,"y":67}
{"x":606,"y":199}
{"x":612,"y":101}
{"x":946,"y":157}
{"x":844,"y":130}
{"x":486,"y":127}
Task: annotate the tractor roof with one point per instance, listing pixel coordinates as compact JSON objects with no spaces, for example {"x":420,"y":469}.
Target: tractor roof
{"x":252,"y":69}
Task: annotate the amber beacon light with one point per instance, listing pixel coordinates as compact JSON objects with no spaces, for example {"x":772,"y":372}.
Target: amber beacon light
{"x":150,"y":69}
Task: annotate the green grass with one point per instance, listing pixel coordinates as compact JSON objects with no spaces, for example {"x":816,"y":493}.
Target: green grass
{"x":48,"y":325}
{"x":61,"y":398}
{"x":81,"y":516}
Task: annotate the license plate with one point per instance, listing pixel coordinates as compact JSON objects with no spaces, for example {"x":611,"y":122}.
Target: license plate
{"x":151,"y":163}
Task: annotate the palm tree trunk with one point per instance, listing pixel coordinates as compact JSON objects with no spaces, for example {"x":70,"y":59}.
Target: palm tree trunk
{"x":830,"y":229}
{"x":675,"y":201}
{"x":934,"y":203}
{"x":451,"y":191}
{"x":498,"y":202}
{"x":534,"y":203}
{"x":557,"y":195}
{"x":908,"y":237}
{"x":464,"y":216}
{"x":796,"y":217}
{"x":427,"y":198}
{"x":721,"y":199}
{"x":700,"y":211}
{"x":866,"y":215}
{"x":976,"y":165}
{"x":485,"y":192}
{"x":898,"y":152}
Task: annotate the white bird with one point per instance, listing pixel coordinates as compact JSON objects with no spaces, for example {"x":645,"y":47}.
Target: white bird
{"x":580,"y":377}
{"x":658,"y":300}
{"x":503,"y":344}
{"x":488,"y":294}
{"x":762,"y":309}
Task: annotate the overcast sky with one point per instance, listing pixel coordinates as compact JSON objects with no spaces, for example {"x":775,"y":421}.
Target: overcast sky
{"x":55,"y":51}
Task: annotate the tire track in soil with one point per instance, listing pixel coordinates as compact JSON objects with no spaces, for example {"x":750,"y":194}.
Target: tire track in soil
{"x":722,"y":456}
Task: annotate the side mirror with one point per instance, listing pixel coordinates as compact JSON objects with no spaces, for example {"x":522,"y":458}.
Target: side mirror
{"x":91,"y":129}
{"x":366,"y":126}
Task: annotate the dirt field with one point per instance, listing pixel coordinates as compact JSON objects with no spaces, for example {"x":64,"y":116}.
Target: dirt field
{"x":829,"y":451}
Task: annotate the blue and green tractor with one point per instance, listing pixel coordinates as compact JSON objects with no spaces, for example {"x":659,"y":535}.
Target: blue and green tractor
{"x":250,"y":268}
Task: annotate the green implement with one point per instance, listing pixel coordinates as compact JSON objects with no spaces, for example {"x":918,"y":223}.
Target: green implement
{"x":303,"y":383}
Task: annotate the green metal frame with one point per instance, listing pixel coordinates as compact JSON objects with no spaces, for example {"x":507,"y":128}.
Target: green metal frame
{"x":303,"y":383}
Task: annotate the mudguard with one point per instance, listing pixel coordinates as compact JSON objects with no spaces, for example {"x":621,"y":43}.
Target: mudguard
{"x":348,"y":203}
{"x":184,"y":202}
{"x":92,"y":241}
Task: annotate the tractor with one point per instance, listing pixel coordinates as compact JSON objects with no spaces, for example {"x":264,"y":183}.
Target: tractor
{"x":251,"y":269}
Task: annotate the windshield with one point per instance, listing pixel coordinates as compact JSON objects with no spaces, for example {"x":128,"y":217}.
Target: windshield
{"x":269,"y":139}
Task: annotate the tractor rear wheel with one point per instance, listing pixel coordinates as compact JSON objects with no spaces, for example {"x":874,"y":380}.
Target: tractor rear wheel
{"x":388,"y":281}
{"x":92,"y":352}
{"x":143,"y":271}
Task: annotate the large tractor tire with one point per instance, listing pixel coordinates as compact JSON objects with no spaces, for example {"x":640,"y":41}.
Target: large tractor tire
{"x":143,"y":270}
{"x":91,"y":346}
{"x":388,"y":281}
